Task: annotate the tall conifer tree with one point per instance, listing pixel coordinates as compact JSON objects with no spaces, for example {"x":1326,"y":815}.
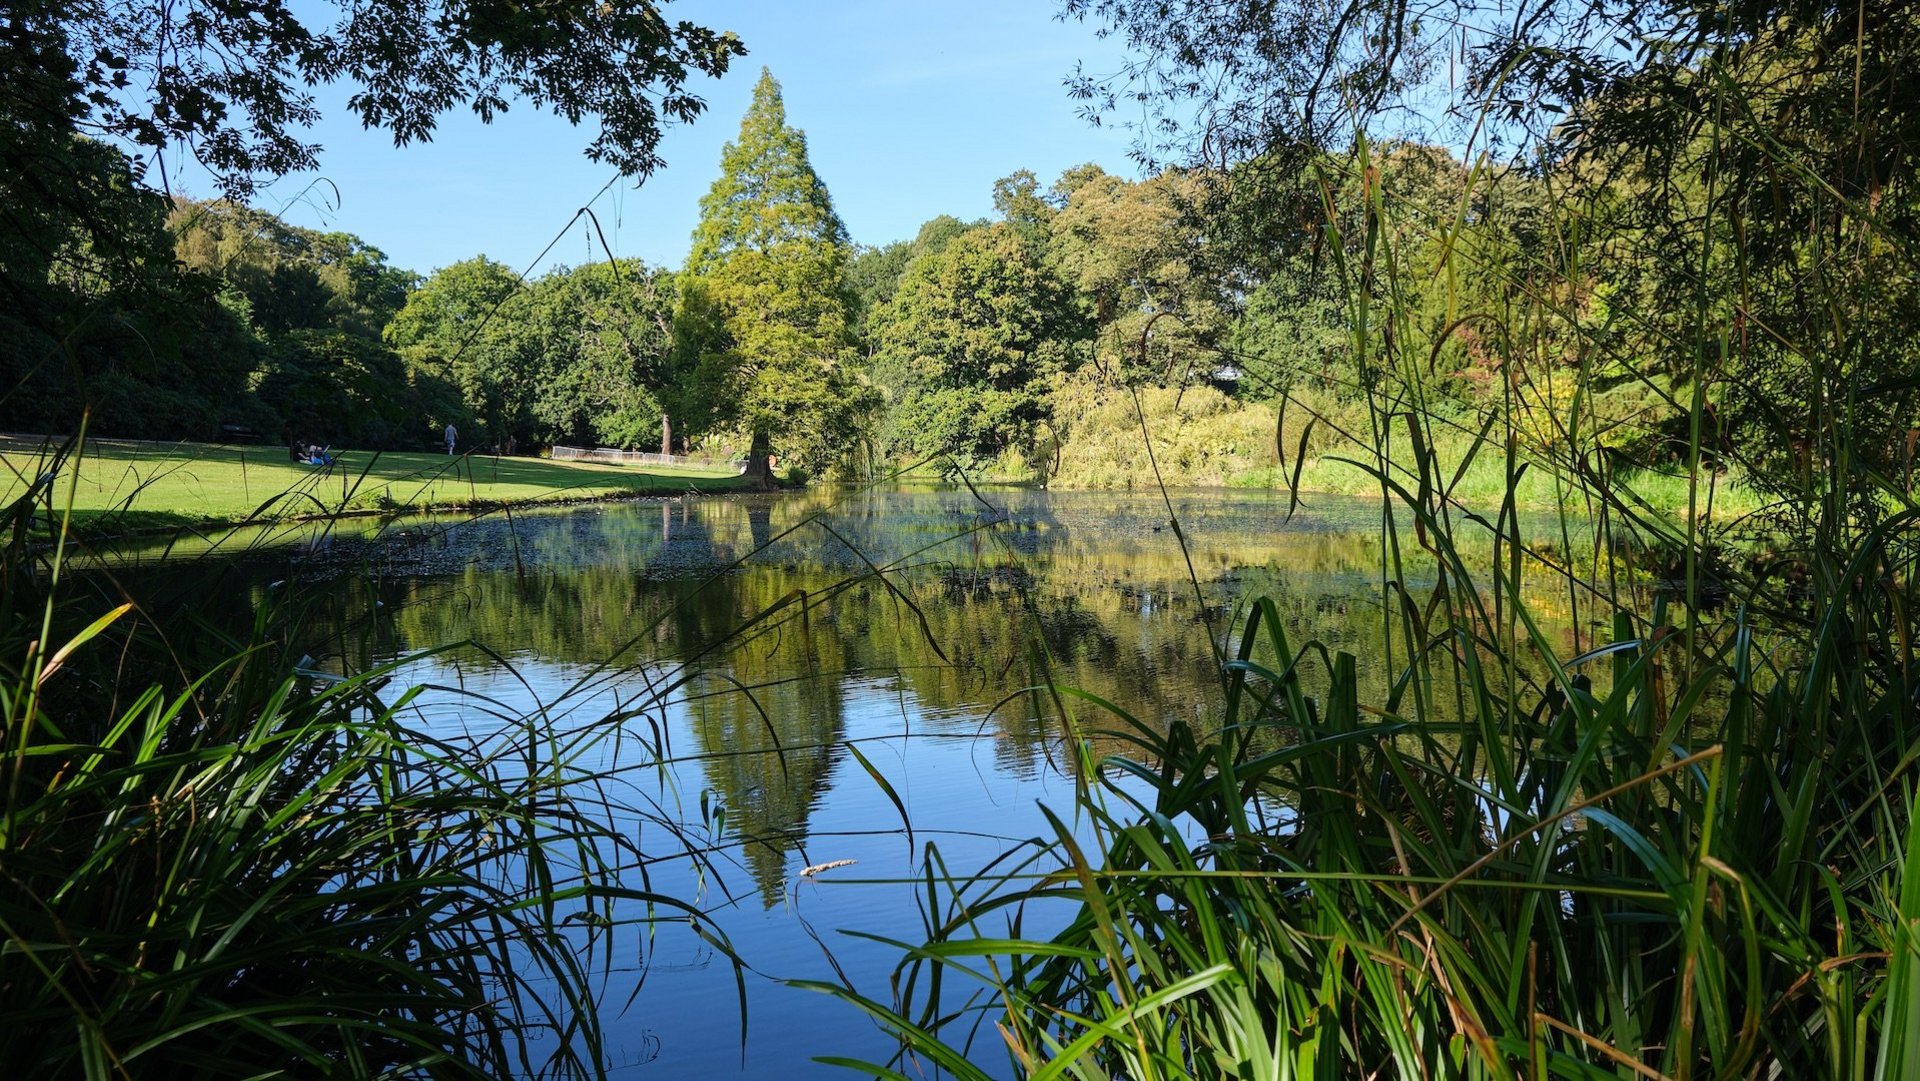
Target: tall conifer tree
{"x":764,"y":321}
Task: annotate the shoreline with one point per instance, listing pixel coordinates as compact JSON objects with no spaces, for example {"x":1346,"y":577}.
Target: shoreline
{"x":126,"y":489}
{"x":82,"y":527}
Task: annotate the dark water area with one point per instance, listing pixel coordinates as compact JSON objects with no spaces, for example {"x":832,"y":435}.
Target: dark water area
{"x":731,"y":651}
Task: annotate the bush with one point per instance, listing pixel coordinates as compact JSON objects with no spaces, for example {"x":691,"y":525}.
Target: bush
{"x":1201,"y":436}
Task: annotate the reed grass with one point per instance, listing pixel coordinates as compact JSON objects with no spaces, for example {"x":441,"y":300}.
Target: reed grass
{"x":221,"y":861}
{"x":1682,"y":850}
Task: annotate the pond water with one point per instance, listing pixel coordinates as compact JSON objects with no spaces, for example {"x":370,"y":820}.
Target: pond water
{"x":903,"y":624}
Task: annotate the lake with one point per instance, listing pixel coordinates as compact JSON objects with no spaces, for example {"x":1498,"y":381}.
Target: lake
{"x":752,"y":662}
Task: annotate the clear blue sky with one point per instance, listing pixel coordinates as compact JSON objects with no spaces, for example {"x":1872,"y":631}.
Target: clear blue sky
{"x":912,"y":108}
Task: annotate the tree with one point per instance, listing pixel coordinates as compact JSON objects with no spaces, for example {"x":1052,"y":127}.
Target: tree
{"x":873,"y":275}
{"x":939,"y":231}
{"x":60,"y":195}
{"x":1017,"y":199}
{"x":228,"y":82}
{"x":460,"y":326}
{"x":293,"y":278}
{"x":339,"y":388}
{"x":95,"y":317}
{"x":970,"y":343}
{"x":604,"y":332}
{"x":1135,"y":257}
{"x":767,"y":194}
{"x":764,"y":327}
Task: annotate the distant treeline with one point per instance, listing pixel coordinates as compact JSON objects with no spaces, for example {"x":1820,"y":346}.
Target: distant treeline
{"x":1005,"y":344}
{"x":222,"y":319}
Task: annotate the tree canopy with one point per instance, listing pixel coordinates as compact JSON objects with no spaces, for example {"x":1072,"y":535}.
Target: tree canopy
{"x":764,"y":325}
{"x":230,"y":83}
{"x":576,"y":356}
{"x":767,"y":195}
{"x":969,"y":342}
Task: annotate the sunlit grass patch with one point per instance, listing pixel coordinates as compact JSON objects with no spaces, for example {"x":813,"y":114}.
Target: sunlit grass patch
{"x":225,"y":860}
{"x":156,"y":484}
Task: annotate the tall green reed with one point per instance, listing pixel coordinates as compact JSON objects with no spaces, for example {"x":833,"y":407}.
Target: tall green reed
{"x":219,"y":860}
{"x":1680,"y":848}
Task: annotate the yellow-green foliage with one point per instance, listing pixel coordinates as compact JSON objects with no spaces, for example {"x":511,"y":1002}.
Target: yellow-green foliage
{"x":1200,"y":436}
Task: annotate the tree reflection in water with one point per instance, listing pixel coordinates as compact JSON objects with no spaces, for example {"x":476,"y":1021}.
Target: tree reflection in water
{"x":969,"y":590}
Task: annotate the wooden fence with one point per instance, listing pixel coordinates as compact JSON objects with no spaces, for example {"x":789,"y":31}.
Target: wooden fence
{"x":639,"y":457}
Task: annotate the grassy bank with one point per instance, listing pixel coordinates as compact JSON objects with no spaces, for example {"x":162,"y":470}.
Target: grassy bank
{"x":224,"y":863}
{"x":1203,"y":438}
{"x":137,"y":485}
{"x":1683,"y":848}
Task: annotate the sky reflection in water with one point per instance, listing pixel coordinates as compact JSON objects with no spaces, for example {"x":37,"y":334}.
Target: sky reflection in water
{"x":596,"y":608}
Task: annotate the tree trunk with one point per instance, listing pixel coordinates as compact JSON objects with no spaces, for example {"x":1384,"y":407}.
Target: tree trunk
{"x":759,"y":472}
{"x":666,"y":433}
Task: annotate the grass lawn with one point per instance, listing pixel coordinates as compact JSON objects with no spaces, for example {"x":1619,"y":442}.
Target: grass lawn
{"x":137,"y":485}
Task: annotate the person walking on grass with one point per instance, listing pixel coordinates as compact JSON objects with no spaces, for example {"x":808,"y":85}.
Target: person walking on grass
{"x":451,"y":436}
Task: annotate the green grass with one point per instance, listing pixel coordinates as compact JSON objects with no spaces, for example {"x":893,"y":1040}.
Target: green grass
{"x":136,"y":485}
{"x":1484,"y":485}
{"x":222,"y":863}
{"x":1678,"y":847}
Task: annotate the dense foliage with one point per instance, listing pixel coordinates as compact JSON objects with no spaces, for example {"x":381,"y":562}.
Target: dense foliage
{"x":1636,"y":241}
{"x":576,"y":356}
{"x":763,"y":332}
{"x":968,"y":342}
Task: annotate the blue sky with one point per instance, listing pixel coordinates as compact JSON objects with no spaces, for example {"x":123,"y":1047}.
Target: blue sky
{"x":912,"y":108}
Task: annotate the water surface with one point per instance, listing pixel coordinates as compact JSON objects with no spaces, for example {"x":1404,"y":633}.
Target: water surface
{"x":904,"y":623}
